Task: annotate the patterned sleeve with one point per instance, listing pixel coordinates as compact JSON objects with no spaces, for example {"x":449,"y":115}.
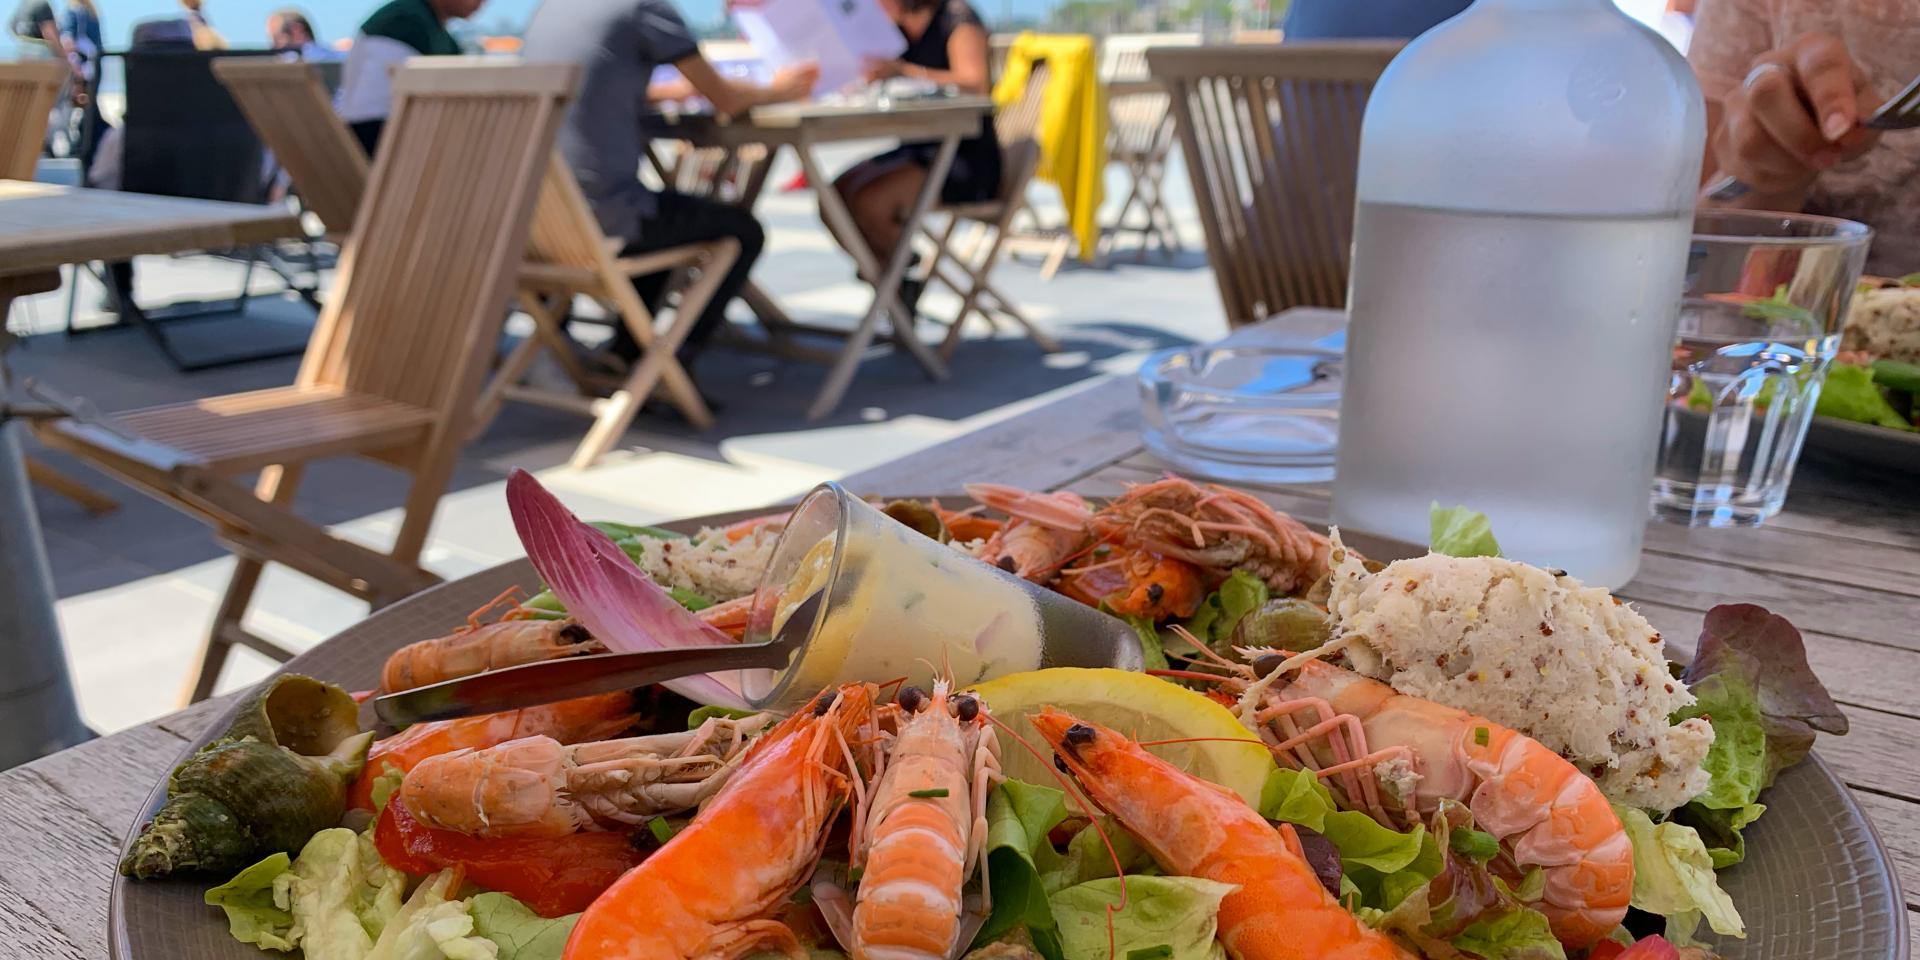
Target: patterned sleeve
{"x":1728,"y":35}
{"x":960,"y":13}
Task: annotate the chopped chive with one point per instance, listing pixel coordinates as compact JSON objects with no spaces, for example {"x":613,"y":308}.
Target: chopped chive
{"x":662,"y":830}
{"x":854,"y":875}
{"x":803,"y":895}
{"x":928,"y":794}
{"x":1481,"y":736}
{"x":1101,"y":551}
{"x":1156,"y":952}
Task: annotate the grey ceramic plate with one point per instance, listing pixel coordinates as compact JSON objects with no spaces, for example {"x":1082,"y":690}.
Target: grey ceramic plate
{"x":1817,"y":885}
{"x":1865,"y":443}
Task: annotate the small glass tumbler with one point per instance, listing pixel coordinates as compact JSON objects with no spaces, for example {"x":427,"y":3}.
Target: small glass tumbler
{"x":1760,"y":321}
{"x":888,"y":602}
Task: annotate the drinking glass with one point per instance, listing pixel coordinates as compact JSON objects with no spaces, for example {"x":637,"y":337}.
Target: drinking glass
{"x":887,"y":602}
{"x":1766,"y":295}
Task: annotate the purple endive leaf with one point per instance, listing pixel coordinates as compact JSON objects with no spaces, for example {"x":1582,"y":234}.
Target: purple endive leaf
{"x":603,"y":589}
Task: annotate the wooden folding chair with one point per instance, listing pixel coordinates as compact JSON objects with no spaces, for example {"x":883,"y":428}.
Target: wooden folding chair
{"x":1139,"y":138}
{"x":568,"y":255}
{"x":28,"y":91}
{"x":289,"y":107}
{"x":1271,"y":136}
{"x":1015,"y":125}
{"x":396,"y":359}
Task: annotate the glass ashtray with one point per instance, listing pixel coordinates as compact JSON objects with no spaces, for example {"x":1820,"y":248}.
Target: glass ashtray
{"x":1251,"y":414}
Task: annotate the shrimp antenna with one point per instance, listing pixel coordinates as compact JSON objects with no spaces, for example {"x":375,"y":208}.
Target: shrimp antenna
{"x":1093,"y":820}
{"x":1205,"y":651}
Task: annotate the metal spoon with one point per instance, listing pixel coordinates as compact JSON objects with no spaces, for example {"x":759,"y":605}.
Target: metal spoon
{"x":565,"y":679}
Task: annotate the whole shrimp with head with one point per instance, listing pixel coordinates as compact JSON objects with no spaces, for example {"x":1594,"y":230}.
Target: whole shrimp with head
{"x":1218,"y":529}
{"x":1396,"y":757}
{"x":539,"y":787}
{"x":1279,"y":911}
{"x":711,"y":890}
{"x":919,"y":832}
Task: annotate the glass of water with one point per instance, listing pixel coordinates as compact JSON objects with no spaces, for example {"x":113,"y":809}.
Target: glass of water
{"x":1760,"y":319}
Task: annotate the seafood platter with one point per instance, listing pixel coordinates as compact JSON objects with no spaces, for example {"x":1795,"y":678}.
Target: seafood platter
{"x":1175,"y":724}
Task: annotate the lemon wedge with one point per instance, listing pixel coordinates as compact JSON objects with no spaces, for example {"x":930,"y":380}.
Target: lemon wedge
{"x":1143,"y":707}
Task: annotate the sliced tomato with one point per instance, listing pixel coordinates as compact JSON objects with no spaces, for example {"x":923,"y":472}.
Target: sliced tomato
{"x":554,"y":877}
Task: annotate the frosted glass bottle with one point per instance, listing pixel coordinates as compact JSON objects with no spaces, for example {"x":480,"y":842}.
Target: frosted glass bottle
{"x":1526,"y":187}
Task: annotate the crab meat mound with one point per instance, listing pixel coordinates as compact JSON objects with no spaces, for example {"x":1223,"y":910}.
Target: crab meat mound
{"x":1561,"y":662}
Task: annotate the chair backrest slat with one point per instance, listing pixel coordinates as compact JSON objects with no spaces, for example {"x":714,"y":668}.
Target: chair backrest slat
{"x":565,"y":233}
{"x":287,"y":104}
{"x":438,"y":239}
{"x":1020,"y":120}
{"x":1271,"y":137}
{"x":28,"y":89}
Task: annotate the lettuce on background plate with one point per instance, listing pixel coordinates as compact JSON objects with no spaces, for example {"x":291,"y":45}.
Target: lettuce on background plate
{"x":1673,"y":877}
{"x":1460,"y":532}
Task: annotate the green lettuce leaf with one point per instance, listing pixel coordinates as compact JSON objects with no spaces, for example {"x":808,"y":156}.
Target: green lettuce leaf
{"x":1019,"y":816}
{"x":1673,"y":877}
{"x":1460,"y":532}
{"x":1720,"y":829}
{"x":518,"y":932}
{"x":1850,"y":394}
{"x":1241,"y":593}
{"x":432,"y":925}
{"x":1087,"y":858}
{"x":1521,"y":934}
{"x":618,"y":532}
{"x":252,"y":916}
{"x":340,"y":894}
{"x":701,"y":715}
{"x":545,"y":606}
{"x":1153,"y":650}
{"x":1383,"y":865}
{"x":1174,"y":913}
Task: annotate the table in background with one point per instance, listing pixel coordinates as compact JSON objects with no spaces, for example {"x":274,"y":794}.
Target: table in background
{"x":804,"y":128}
{"x":1840,"y":562}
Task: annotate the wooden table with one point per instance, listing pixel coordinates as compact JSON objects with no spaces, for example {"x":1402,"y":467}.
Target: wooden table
{"x":1840,"y":562}
{"x":803,"y":128}
{"x":44,"y":227}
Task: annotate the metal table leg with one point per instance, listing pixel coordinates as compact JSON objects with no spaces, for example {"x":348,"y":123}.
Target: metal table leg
{"x":37,"y":707}
{"x":886,"y":290}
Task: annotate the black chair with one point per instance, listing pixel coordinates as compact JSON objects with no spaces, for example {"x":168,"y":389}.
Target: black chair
{"x":183,"y":136}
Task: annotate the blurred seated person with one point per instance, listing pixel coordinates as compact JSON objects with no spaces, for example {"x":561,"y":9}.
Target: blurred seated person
{"x":1365,"y":19}
{"x":291,"y":32}
{"x":205,"y":37}
{"x":947,"y":46}
{"x":397,"y":31}
{"x":617,"y":44}
{"x":1787,"y":83}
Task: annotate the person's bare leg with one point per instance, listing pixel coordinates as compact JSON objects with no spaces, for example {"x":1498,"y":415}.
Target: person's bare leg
{"x":880,"y":208}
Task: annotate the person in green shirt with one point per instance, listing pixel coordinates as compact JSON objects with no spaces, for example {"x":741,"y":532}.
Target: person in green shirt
{"x":395,"y":32}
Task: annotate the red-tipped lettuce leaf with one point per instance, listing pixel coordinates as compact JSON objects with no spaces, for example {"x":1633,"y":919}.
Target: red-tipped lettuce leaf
{"x":1746,"y":644}
{"x":603,"y":588}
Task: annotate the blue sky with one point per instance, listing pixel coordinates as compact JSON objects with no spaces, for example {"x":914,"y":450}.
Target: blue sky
{"x":244,"y":21}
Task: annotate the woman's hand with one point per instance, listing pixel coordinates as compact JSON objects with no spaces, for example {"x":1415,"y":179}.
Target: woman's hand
{"x":1797,"y":113}
{"x":875,"y":69}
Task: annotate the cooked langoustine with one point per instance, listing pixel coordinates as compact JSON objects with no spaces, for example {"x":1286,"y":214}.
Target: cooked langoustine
{"x":1279,"y":909}
{"x":711,"y":890}
{"x":539,"y":787}
{"x":1044,"y":532}
{"x":1218,"y":529}
{"x":1398,"y":756}
{"x":569,"y":721}
{"x":921,"y":829}
{"x":483,"y":647}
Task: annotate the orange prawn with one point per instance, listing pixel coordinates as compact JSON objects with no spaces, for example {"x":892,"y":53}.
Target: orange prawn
{"x":1193,"y":828}
{"x":1391,"y":748}
{"x":569,"y":721}
{"x":711,"y":890}
{"x":922,"y":830}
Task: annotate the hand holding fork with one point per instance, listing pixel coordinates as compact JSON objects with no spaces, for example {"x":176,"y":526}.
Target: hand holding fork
{"x":1802,"y":109}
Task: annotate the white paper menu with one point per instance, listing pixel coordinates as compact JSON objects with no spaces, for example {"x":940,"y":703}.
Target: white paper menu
{"x":837,"y":34}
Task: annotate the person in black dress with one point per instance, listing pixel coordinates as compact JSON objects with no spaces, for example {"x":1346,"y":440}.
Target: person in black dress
{"x":946,"y":45}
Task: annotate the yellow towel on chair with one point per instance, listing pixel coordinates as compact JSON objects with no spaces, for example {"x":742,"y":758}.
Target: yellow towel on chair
{"x":1073,"y":123}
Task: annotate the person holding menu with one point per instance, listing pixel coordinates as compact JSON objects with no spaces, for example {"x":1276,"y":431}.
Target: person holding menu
{"x":946,"y":45}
